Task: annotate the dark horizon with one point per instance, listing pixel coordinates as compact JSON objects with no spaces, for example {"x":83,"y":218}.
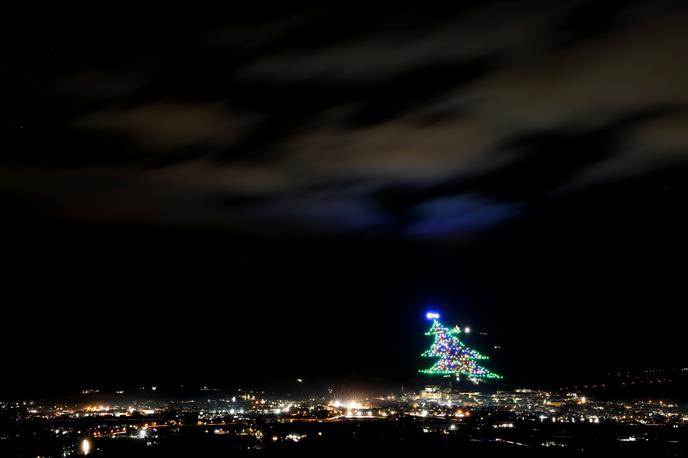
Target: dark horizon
{"x":246,"y":197}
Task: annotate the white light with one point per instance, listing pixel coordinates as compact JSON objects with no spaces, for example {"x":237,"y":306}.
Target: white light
{"x":629,"y":439}
{"x":300,"y":380}
{"x":432,"y":315}
{"x":295,"y":437}
{"x":467,"y":330}
{"x":85,"y":446}
{"x":142,"y":433}
{"x":354,"y":405}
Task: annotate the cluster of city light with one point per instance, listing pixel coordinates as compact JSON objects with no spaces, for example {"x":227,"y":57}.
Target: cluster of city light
{"x":351,"y":404}
{"x":356,"y":409}
{"x":454,"y":358}
{"x":525,"y":407}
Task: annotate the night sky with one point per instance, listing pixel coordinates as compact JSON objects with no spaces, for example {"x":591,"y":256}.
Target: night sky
{"x":246,"y":196}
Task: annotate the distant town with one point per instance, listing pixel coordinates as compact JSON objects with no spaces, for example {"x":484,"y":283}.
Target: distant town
{"x":100,"y":424}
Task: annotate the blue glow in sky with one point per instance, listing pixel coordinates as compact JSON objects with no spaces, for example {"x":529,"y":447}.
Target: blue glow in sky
{"x":459,"y":214}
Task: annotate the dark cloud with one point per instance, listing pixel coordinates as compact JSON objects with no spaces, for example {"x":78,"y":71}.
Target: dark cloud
{"x":167,"y":125}
{"x":457,"y":215}
{"x":251,"y":119}
{"x":413,"y":90}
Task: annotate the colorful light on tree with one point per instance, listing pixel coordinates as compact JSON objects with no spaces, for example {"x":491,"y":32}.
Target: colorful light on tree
{"x":454,"y":357}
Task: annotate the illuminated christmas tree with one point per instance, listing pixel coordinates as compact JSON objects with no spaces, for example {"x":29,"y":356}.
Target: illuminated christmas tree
{"x":454,"y":357}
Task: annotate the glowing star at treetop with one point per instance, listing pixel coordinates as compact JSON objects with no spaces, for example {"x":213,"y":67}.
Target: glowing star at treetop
{"x":454,"y":357}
